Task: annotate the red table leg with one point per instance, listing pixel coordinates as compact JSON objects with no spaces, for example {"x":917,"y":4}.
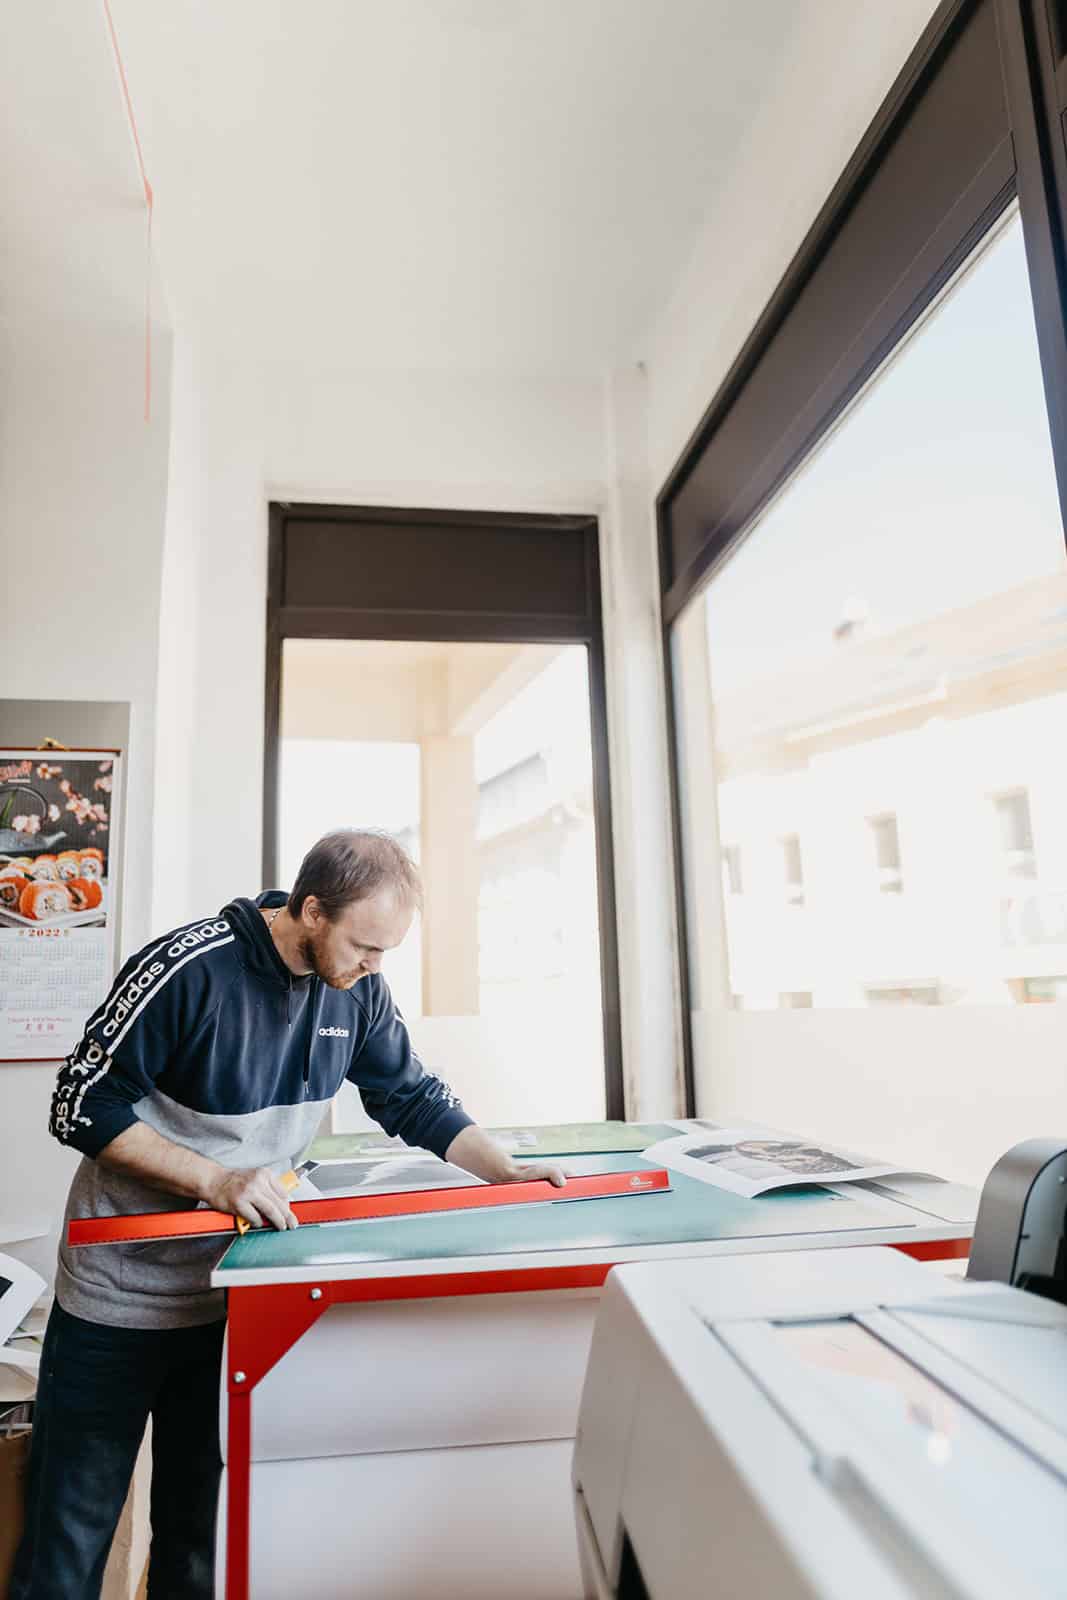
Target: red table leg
{"x":264,"y":1322}
{"x":238,"y":1482}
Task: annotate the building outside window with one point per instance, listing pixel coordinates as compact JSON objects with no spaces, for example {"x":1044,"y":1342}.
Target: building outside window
{"x":794,"y":870}
{"x":1040,"y":991}
{"x":1016,"y":834}
{"x":731,"y":869}
{"x":915,"y":994}
{"x":887,"y":854}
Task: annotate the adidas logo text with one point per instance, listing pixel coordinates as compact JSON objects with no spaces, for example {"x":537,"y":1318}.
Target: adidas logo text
{"x":131,"y":994}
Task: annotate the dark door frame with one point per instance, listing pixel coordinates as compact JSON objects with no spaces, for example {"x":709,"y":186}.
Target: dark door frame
{"x":568,"y":625}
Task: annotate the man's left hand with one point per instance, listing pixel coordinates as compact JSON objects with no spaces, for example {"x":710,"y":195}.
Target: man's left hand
{"x":477,"y":1151}
{"x":528,"y":1171}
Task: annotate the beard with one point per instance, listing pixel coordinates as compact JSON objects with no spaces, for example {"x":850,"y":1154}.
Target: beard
{"x":313,"y":955}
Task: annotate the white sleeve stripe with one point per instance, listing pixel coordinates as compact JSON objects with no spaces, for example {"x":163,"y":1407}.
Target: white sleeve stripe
{"x":108,"y":1061}
{"x":150,"y":994}
{"x":100,"y":1014}
{"x":75,"y":1113}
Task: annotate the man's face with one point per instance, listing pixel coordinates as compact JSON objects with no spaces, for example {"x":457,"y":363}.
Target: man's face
{"x":342,"y":952}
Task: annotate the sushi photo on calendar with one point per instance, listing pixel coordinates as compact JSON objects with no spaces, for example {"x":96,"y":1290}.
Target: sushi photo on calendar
{"x":55,"y":830}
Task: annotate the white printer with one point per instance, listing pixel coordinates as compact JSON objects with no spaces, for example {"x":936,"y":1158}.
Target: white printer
{"x":825,"y":1425}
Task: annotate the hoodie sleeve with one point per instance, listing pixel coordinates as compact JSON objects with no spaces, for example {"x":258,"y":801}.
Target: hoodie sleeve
{"x":396,"y":1089}
{"x":162,"y":995}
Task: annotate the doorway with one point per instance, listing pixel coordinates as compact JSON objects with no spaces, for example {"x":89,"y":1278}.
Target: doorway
{"x":475,"y":733}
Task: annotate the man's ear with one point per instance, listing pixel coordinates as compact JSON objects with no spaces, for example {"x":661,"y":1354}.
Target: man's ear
{"x":311,"y":911}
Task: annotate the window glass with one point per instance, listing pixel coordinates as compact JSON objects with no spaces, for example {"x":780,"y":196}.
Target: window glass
{"x":872,"y":696}
{"x":478,"y":758}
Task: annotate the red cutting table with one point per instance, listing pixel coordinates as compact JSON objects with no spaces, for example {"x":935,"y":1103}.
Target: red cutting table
{"x":447,"y":1376}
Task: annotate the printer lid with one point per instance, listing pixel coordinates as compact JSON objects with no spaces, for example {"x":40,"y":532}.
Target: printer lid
{"x":1017,"y":1343}
{"x":940,"y":1428}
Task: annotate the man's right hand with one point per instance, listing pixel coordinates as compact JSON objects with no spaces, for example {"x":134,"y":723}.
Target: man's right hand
{"x":255,"y":1194}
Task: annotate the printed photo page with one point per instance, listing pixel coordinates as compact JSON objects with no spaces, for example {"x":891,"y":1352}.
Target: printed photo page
{"x":751,"y":1160}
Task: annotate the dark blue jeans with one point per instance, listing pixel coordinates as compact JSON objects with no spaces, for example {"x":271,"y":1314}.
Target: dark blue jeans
{"x":97,"y":1388}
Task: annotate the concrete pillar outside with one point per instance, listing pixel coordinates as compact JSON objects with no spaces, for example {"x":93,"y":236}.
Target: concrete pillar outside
{"x":449,"y":866}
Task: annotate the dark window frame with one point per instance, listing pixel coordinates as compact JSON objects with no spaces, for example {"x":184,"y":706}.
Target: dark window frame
{"x":491,"y":618}
{"x":1002,"y":64}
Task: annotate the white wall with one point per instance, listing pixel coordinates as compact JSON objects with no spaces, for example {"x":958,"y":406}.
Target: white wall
{"x":412,"y":440}
{"x":179,"y":635}
{"x":82,"y":491}
{"x":428,"y":438}
{"x":817,"y":107}
{"x":83,"y":477}
{"x":83,"y":483}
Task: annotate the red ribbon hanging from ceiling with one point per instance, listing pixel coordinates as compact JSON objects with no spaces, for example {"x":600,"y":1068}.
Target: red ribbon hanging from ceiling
{"x":148,"y":207}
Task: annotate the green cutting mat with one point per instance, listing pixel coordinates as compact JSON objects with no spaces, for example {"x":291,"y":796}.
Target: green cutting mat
{"x":691,"y":1212}
{"x":525,"y":1139}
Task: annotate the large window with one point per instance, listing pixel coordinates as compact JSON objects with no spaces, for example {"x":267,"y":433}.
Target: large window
{"x":440,"y":674}
{"x":872,"y":698}
{"x":478,"y":758}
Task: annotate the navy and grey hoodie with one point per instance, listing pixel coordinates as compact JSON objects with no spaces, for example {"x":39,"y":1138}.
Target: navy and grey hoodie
{"x":210,"y":1039}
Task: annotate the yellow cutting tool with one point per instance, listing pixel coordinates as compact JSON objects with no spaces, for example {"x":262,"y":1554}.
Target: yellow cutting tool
{"x":288,"y":1181}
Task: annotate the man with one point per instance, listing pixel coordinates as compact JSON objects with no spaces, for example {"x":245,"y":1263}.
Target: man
{"x":201,"y":1079}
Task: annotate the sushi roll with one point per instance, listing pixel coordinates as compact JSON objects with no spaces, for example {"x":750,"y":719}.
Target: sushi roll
{"x":11,"y":887}
{"x":92,"y":863}
{"x":45,"y":869}
{"x":43,"y":900}
{"x":68,"y":865}
{"x":85,"y":893}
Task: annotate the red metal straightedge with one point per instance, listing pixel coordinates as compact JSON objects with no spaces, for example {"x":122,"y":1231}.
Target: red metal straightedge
{"x":360,"y":1208}
{"x":148,"y":1225}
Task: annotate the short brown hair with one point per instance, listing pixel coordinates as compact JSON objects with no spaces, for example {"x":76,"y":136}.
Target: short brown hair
{"x":352,"y":864}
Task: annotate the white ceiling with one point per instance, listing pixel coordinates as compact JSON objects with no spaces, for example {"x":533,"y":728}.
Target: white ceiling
{"x":475,"y":185}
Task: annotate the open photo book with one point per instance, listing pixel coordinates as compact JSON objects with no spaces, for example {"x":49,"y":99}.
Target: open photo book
{"x":751,"y":1161}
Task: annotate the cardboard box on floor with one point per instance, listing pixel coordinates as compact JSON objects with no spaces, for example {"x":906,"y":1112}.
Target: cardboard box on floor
{"x":17,"y":1387}
{"x":14,"y":1454}
{"x":124,"y":1577}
